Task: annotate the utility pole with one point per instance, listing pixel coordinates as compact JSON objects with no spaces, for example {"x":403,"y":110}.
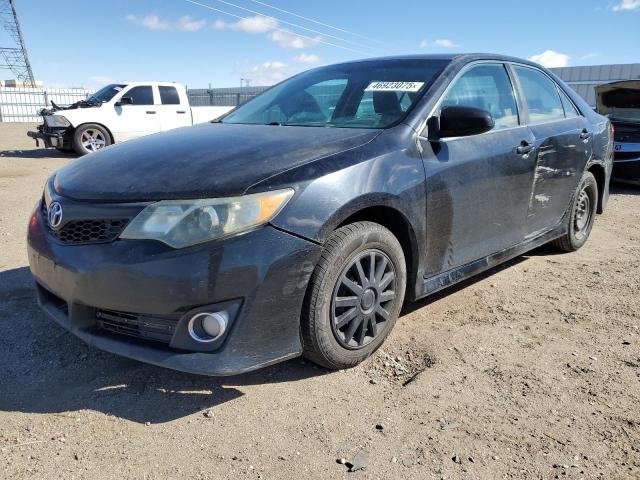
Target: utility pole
{"x":14,"y":57}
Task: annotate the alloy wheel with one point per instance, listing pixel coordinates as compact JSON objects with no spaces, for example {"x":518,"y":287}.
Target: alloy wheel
{"x":363,"y":299}
{"x":92,"y":139}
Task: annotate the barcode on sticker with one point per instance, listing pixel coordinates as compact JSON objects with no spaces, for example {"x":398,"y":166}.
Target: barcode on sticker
{"x":394,"y":86}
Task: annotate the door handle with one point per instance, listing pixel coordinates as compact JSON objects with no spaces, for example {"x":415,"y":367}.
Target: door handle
{"x":585,"y":134}
{"x":524,"y":148}
{"x":151,"y":112}
{"x":181,"y":111}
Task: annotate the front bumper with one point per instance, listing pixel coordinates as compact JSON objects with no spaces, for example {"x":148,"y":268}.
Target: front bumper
{"x":265,"y":272}
{"x":50,"y":138}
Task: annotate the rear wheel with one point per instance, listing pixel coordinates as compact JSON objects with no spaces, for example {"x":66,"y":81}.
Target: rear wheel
{"x":582,"y":215}
{"x":355,"y":295}
{"x":90,"y":138}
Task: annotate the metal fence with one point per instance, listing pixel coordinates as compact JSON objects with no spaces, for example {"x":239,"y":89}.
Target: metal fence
{"x":222,"y":97}
{"x":23,"y":104}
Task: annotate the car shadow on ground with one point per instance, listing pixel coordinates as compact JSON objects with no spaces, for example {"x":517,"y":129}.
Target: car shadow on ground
{"x":45,"y":369}
{"x":37,"y":153}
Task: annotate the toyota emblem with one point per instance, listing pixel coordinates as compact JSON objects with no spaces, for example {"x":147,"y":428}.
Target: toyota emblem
{"x":54,"y":214}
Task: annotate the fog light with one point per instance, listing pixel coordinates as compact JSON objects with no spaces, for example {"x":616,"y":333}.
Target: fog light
{"x":207,"y":327}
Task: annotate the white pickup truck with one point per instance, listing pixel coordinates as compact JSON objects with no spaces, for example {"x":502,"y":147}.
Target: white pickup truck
{"x":120,"y":112}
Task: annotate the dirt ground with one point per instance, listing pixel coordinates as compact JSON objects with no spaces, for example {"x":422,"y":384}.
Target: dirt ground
{"x":531,"y":371}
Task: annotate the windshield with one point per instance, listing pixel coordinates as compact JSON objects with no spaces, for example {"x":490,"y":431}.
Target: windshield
{"x":361,"y":95}
{"x":106,"y":93}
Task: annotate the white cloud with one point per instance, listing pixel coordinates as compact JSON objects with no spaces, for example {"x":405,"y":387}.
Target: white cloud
{"x":256,"y":24}
{"x":551,"y":59}
{"x":269,"y":25}
{"x":442,"y":43}
{"x":154,"y":22}
{"x":187,"y":24}
{"x":267,"y":73}
{"x":445,"y":43}
{"x":307,"y":58}
{"x":291,"y":40}
{"x":627,"y":5}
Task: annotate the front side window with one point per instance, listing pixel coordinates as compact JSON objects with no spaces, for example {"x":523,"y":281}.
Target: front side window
{"x":142,"y":95}
{"x":541,"y":95}
{"x":485,"y":86}
{"x":169,"y":96}
{"x":359,"y":95}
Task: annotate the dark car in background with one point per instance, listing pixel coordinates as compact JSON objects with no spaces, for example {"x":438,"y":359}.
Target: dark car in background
{"x":300,"y":222}
{"x":620,"y":101}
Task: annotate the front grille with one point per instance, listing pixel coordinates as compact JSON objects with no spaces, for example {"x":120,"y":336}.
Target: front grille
{"x":77,"y":232}
{"x":137,"y":326}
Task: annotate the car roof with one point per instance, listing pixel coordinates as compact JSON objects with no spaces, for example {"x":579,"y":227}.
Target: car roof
{"x":458,"y":57}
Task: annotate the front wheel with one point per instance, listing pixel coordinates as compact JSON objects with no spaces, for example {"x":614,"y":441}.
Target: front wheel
{"x":582,"y":215}
{"x":355,"y":295}
{"x":90,"y":138}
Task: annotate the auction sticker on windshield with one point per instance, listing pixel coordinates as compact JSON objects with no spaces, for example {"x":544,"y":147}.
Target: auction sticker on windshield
{"x":394,"y":86}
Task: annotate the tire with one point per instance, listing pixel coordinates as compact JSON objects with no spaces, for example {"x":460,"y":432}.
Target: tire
{"x":347,"y":315}
{"x":89,"y":138}
{"x":582,"y":215}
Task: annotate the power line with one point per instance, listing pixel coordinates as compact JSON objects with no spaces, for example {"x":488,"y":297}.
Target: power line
{"x":314,"y":21}
{"x":296,"y":25}
{"x":318,"y":40}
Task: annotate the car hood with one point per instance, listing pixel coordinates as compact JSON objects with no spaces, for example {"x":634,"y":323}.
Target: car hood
{"x":619,"y":100}
{"x":204,"y":161}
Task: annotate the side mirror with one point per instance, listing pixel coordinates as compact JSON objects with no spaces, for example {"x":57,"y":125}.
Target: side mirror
{"x":459,"y":122}
{"x":124,"y":101}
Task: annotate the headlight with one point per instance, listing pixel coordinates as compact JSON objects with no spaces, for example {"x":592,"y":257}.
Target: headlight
{"x":182,"y":223}
{"x":56,"y":121}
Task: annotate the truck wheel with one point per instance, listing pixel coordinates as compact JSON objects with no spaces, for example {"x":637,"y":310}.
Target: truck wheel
{"x":90,"y":138}
{"x":582,"y":215}
{"x":354,"y":296}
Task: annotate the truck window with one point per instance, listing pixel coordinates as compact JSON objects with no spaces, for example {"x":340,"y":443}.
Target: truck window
{"x":141,"y":95}
{"x":169,"y":96}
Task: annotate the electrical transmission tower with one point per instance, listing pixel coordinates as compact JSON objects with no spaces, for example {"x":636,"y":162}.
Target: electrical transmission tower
{"x":14,"y":57}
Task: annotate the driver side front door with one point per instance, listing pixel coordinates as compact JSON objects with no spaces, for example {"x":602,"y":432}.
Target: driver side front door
{"x":478,"y":186}
{"x":137,"y":119}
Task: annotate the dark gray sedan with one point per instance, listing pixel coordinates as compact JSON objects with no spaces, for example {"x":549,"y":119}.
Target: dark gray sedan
{"x":299,"y":223}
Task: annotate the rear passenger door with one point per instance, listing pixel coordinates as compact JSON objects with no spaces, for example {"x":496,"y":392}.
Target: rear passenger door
{"x":563,"y":147}
{"x":172,"y":112}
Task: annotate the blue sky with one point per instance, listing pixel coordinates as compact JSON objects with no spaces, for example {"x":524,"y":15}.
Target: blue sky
{"x":82,"y":43}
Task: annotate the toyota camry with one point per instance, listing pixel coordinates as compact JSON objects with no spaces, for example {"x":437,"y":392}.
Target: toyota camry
{"x":300,"y":222}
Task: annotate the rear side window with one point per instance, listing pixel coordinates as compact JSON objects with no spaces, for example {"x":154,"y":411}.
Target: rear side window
{"x":487,"y":87}
{"x":570,"y":110}
{"x":141,"y":95}
{"x":169,"y":96}
{"x":541,"y":95}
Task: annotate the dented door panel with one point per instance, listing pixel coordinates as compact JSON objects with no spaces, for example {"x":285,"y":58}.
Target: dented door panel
{"x":559,"y":162}
{"x":477,"y":196}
